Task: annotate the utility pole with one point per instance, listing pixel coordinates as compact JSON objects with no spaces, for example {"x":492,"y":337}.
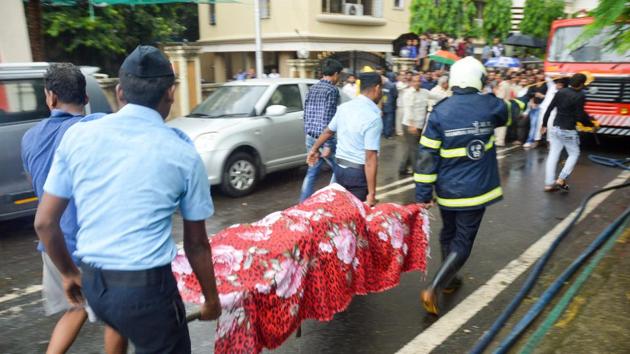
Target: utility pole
{"x":259,"y":58}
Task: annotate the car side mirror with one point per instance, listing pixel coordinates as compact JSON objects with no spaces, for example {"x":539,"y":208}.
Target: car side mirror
{"x":275,"y":110}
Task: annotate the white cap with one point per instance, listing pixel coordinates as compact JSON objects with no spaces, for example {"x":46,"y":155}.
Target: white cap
{"x":467,"y":72}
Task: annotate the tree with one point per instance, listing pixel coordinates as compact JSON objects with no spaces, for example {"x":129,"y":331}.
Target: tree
{"x":35,"y":32}
{"x":72,"y":35}
{"x":424,"y":15}
{"x":497,"y":19}
{"x":538,"y":15}
{"x":456,"y":17}
{"x":469,"y":27}
{"x":613,"y":14}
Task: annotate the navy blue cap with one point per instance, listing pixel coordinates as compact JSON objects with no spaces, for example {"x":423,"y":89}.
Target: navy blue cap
{"x":147,"y":62}
{"x":370,"y":79}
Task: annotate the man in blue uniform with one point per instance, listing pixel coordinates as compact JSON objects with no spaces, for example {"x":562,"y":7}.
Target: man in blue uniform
{"x":127,"y":174}
{"x":66,"y":98}
{"x":457,"y":156}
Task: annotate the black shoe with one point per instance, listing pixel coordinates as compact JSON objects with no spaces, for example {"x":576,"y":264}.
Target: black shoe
{"x":564,"y":187}
{"x":444,"y":275}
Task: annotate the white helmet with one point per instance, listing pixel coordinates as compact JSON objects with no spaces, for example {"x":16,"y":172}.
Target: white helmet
{"x":467,"y":72}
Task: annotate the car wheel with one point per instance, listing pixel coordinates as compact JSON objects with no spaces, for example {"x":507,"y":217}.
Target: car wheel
{"x":240,"y":175}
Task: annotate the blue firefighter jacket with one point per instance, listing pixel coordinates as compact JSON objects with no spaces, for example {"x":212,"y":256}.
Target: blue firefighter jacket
{"x":456,"y":153}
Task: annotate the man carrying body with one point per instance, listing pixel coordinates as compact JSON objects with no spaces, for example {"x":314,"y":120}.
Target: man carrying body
{"x":127,"y":174}
{"x":66,"y":98}
{"x":319,"y":108}
{"x":358,"y":127}
{"x":457,"y":155}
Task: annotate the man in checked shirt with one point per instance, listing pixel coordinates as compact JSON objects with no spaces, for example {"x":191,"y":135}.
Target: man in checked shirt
{"x":320,"y":107}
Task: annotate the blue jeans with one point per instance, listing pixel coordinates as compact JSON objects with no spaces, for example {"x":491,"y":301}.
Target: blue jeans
{"x":560,"y":139}
{"x":147,"y":310}
{"x":308,"y":186}
{"x":389,"y":119}
{"x":534,"y":114}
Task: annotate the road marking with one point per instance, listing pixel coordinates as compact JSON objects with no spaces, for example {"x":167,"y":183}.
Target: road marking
{"x":443,"y":328}
{"x":29,"y":290}
{"x":395,"y":183}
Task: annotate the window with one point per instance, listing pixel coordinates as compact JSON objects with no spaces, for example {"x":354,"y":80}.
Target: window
{"x":213,"y":14}
{"x":22,"y":100}
{"x":338,"y":6}
{"x":265,"y":9}
{"x":399,"y":4}
{"x":594,"y":50}
{"x":289,"y":96}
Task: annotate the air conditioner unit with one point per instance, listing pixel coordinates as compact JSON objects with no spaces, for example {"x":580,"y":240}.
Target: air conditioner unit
{"x":353,"y":9}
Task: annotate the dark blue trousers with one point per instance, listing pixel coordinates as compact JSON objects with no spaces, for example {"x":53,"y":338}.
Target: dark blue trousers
{"x":459,"y":231}
{"x":352,"y":179}
{"x":389,"y":120}
{"x":143,"y":306}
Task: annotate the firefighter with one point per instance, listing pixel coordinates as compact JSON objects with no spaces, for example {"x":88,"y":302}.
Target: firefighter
{"x":457,"y":155}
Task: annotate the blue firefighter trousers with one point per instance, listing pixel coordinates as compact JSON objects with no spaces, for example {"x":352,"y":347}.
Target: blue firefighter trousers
{"x":459,"y":231}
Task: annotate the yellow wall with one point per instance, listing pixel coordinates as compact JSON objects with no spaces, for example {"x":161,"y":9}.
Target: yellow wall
{"x":236,"y":21}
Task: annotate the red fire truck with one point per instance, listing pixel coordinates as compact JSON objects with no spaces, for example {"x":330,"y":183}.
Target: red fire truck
{"x":608,"y":96}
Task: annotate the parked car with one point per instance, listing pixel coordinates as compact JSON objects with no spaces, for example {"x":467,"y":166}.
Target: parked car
{"x":22,"y":105}
{"x":247,"y":129}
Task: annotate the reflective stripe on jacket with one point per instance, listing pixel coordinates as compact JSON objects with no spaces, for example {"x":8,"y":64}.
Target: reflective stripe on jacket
{"x":456,"y":153}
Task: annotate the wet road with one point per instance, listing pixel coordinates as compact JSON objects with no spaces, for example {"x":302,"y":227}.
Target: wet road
{"x":377,"y":323}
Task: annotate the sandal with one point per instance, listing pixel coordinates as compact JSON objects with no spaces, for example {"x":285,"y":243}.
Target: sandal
{"x":551,"y":188}
{"x":562,"y":187}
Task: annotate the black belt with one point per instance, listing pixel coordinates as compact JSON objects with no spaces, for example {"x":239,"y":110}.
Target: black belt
{"x":346,"y":163}
{"x":130,"y":278}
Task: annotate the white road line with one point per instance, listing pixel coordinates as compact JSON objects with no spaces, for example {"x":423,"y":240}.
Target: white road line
{"x":400,"y":181}
{"x":442,"y":329}
{"x":29,"y":290}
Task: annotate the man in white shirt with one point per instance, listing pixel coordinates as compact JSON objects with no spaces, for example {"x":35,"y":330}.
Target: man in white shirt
{"x":401,"y":86}
{"x":439,"y":92}
{"x":415,"y":101}
{"x":350,"y":88}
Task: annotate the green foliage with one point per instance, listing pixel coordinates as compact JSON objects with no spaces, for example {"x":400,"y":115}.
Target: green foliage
{"x":424,"y":16}
{"x":538,"y":16}
{"x":72,"y":35}
{"x":469,"y":26}
{"x":454,"y":17}
{"x":497,"y":19}
{"x":614,"y":14}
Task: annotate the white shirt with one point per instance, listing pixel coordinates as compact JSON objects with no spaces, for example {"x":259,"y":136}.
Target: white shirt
{"x":415,"y":107}
{"x":437,"y":94}
{"x":350,"y":90}
{"x":401,"y":87}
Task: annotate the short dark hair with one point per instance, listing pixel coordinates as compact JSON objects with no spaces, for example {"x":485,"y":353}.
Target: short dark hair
{"x":332,"y":67}
{"x":577,"y":80}
{"x":144,"y":91}
{"x":67,"y":82}
{"x":369,"y":80}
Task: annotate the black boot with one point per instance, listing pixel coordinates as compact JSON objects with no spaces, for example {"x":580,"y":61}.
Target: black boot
{"x":456,"y":282}
{"x":442,"y":278}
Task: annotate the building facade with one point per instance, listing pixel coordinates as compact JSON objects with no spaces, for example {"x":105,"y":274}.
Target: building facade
{"x":356,"y":31}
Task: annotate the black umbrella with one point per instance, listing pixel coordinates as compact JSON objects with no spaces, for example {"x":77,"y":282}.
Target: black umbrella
{"x":522,"y":40}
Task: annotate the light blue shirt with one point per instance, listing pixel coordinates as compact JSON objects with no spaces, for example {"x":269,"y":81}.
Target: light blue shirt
{"x":358,"y":126}
{"x":128,"y":173}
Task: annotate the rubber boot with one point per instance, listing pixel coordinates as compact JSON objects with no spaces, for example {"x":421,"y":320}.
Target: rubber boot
{"x":456,"y":282}
{"x":444,"y":275}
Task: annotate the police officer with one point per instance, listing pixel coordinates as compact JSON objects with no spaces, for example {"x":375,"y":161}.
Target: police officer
{"x":458,"y":157}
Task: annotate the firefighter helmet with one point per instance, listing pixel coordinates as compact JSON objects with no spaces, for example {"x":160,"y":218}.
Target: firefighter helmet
{"x":467,"y":72}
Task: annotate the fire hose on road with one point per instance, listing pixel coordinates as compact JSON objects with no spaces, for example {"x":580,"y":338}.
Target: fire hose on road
{"x":532,"y":278}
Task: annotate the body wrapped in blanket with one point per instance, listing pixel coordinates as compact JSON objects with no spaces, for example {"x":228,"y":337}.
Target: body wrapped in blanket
{"x":307,"y":261}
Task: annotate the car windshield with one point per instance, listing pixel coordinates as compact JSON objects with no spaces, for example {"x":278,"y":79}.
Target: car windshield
{"x":229,"y":101}
{"x":593,"y":50}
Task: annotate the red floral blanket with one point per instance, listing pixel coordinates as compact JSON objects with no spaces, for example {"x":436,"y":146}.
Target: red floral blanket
{"x":307,"y":261}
